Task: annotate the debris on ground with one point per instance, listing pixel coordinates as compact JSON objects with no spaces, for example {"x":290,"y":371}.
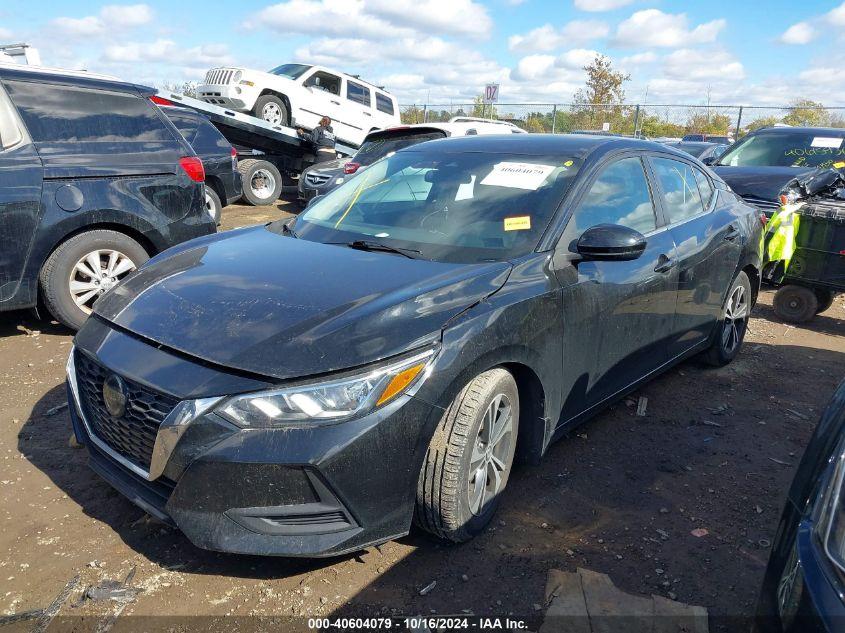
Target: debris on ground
{"x":585,"y":601}
{"x":642,"y":405}
{"x":699,"y":532}
{"x":54,"y":410}
{"x":427,"y":589}
{"x":116,"y":590}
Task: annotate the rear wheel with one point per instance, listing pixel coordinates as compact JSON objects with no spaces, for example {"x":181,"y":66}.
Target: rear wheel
{"x":272,"y":109}
{"x":795,"y":304}
{"x":84,"y":267}
{"x":825,"y":299}
{"x":469,"y":458}
{"x":732,"y":325}
{"x":262,"y":182}
{"x":213,"y":204}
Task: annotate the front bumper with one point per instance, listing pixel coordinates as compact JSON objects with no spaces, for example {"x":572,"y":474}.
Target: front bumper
{"x":228,"y":95}
{"x":315,"y":491}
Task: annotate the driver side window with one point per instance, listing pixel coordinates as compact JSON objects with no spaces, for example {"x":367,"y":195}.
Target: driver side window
{"x":324,"y":81}
{"x":620,"y":195}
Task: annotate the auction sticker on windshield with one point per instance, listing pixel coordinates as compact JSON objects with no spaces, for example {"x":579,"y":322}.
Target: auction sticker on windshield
{"x":518,"y":223}
{"x":826,"y":141}
{"x":518,"y":175}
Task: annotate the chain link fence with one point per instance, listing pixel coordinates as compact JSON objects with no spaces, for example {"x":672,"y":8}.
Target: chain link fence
{"x":648,"y":120}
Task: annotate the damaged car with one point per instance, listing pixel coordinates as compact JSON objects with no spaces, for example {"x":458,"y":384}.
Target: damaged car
{"x":315,"y":386}
{"x":758,"y":166}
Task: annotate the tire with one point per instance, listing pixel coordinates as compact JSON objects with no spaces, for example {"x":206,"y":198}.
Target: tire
{"x":213,"y":204}
{"x":733,"y":324}
{"x":262,"y":182}
{"x":795,"y":304}
{"x":61,"y":268}
{"x":272,"y":109}
{"x":825,"y":299}
{"x":448,"y":504}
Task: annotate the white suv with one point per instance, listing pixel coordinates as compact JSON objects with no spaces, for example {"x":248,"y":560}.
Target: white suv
{"x":300,"y":94}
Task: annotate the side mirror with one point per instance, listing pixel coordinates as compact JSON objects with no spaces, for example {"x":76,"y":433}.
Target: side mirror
{"x":611,"y":242}
{"x":709,"y":160}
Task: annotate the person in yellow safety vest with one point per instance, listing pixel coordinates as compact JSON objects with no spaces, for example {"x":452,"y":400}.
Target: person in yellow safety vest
{"x":780,"y":237}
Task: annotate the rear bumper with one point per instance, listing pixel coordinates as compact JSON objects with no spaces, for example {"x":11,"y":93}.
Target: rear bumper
{"x":317,"y":491}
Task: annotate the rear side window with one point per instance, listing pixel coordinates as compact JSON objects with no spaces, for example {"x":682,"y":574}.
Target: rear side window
{"x":186,"y":127}
{"x":680,"y":189}
{"x":358,"y":93}
{"x":704,"y":187}
{"x":209,"y":140}
{"x":10,"y":132}
{"x":56,"y":113}
{"x":384,"y":103}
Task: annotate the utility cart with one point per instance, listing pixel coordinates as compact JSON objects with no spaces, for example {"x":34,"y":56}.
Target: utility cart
{"x":815,"y":272}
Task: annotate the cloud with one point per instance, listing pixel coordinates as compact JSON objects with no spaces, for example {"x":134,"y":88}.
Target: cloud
{"x":836,"y":16}
{"x":377,"y":19}
{"x":700,"y":65}
{"x":798,"y":33}
{"x":638,"y":59}
{"x":548,"y":38}
{"x":110,"y":18}
{"x":654,"y":28}
{"x":547,"y":68}
{"x":6,"y":34}
{"x":164,"y":50}
{"x":600,"y":5}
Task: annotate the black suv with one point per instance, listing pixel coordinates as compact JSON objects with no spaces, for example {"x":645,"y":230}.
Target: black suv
{"x":219,"y":158}
{"x":94,"y":180}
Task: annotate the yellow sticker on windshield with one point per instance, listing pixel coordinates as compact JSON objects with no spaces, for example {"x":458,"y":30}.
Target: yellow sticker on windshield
{"x":839,"y":165}
{"x":518,"y":223}
{"x":568,"y":163}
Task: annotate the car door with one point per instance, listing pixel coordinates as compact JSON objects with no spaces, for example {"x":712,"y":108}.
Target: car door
{"x":615,"y":314}
{"x":21,"y":177}
{"x":324,"y":90}
{"x":708,"y":248}
{"x":359,"y":106}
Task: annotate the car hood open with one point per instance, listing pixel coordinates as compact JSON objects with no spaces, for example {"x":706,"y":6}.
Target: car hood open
{"x":261,"y":302}
{"x":759,"y":183}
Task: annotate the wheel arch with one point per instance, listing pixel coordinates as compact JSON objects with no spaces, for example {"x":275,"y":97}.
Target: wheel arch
{"x":285,"y":99}
{"x":754,"y":277}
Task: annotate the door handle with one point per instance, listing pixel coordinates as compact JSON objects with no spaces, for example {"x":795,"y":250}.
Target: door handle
{"x":367,"y":114}
{"x":335,"y":102}
{"x":664,"y":264}
{"x":732,"y":233}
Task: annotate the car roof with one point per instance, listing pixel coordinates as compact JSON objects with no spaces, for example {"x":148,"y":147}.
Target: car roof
{"x":694,"y":144}
{"x":830,"y":131}
{"x":78,"y":77}
{"x":575,"y":145}
{"x":450,"y":127}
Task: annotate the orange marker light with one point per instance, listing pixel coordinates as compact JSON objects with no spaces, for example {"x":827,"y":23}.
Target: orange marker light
{"x":399,"y":383}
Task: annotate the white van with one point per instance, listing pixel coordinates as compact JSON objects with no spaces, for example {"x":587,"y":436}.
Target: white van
{"x":299,"y":95}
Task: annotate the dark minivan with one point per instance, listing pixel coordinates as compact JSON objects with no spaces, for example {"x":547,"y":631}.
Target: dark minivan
{"x":310,"y":389}
{"x":219,"y":158}
{"x":94,"y":180}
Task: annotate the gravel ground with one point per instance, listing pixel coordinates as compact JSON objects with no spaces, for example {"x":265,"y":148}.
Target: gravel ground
{"x":716,"y":449}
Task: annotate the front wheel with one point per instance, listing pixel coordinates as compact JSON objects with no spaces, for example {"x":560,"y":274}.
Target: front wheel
{"x":469,"y":458}
{"x":795,"y":304}
{"x":272,"y":109}
{"x":83,"y":268}
{"x":732,"y":325}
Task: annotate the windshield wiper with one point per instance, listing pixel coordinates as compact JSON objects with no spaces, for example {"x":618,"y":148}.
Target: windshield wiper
{"x":369,"y":245}
{"x":286,"y":228}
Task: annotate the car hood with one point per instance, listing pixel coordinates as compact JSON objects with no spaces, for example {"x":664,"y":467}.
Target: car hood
{"x":762,"y":183}
{"x":273,"y":305}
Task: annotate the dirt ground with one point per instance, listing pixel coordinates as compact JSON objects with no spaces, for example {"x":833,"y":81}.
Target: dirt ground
{"x":716,"y":449}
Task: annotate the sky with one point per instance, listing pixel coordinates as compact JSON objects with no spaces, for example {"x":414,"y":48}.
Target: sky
{"x":444,"y":51}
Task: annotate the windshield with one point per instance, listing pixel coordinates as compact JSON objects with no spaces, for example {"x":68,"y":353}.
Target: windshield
{"x":377,"y":148}
{"x":465,"y":207}
{"x":787,"y":149}
{"x":291,"y":71}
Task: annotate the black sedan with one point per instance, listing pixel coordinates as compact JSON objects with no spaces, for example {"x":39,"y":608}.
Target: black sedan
{"x":309,"y":388}
{"x":804,"y":584}
{"x":219,"y":158}
{"x":759,"y":165}
{"x":703,"y":150}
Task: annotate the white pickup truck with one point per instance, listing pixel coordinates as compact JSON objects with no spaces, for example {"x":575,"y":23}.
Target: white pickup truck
{"x":300,"y":95}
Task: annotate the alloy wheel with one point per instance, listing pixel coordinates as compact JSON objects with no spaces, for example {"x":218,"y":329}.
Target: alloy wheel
{"x":271,"y":113}
{"x":736,"y":319}
{"x":488,"y":463}
{"x":262,"y":183}
{"x":96,"y":273}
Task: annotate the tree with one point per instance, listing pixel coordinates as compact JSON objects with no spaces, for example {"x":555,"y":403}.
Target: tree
{"x":702,"y":122}
{"x":766,"y":121}
{"x":806,"y":112}
{"x":481,"y":109}
{"x":601,"y":99}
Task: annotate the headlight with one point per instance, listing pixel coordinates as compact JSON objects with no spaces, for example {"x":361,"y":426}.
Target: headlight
{"x":330,"y":401}
{"x":831,"y":520}
{"x":237,"y":76}
{"x":247,"y":83}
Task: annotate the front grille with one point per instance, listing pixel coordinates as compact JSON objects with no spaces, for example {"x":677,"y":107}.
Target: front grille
{"x":219,"y":76}
{"x":316,"y":180}
{"x":132,"y":435}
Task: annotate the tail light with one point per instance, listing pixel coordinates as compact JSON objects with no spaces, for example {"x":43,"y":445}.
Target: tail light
{"x":234,"y":159}
{"x":193,"y":167}
{"x":351,"y":168}
{"x":161,"y":101}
